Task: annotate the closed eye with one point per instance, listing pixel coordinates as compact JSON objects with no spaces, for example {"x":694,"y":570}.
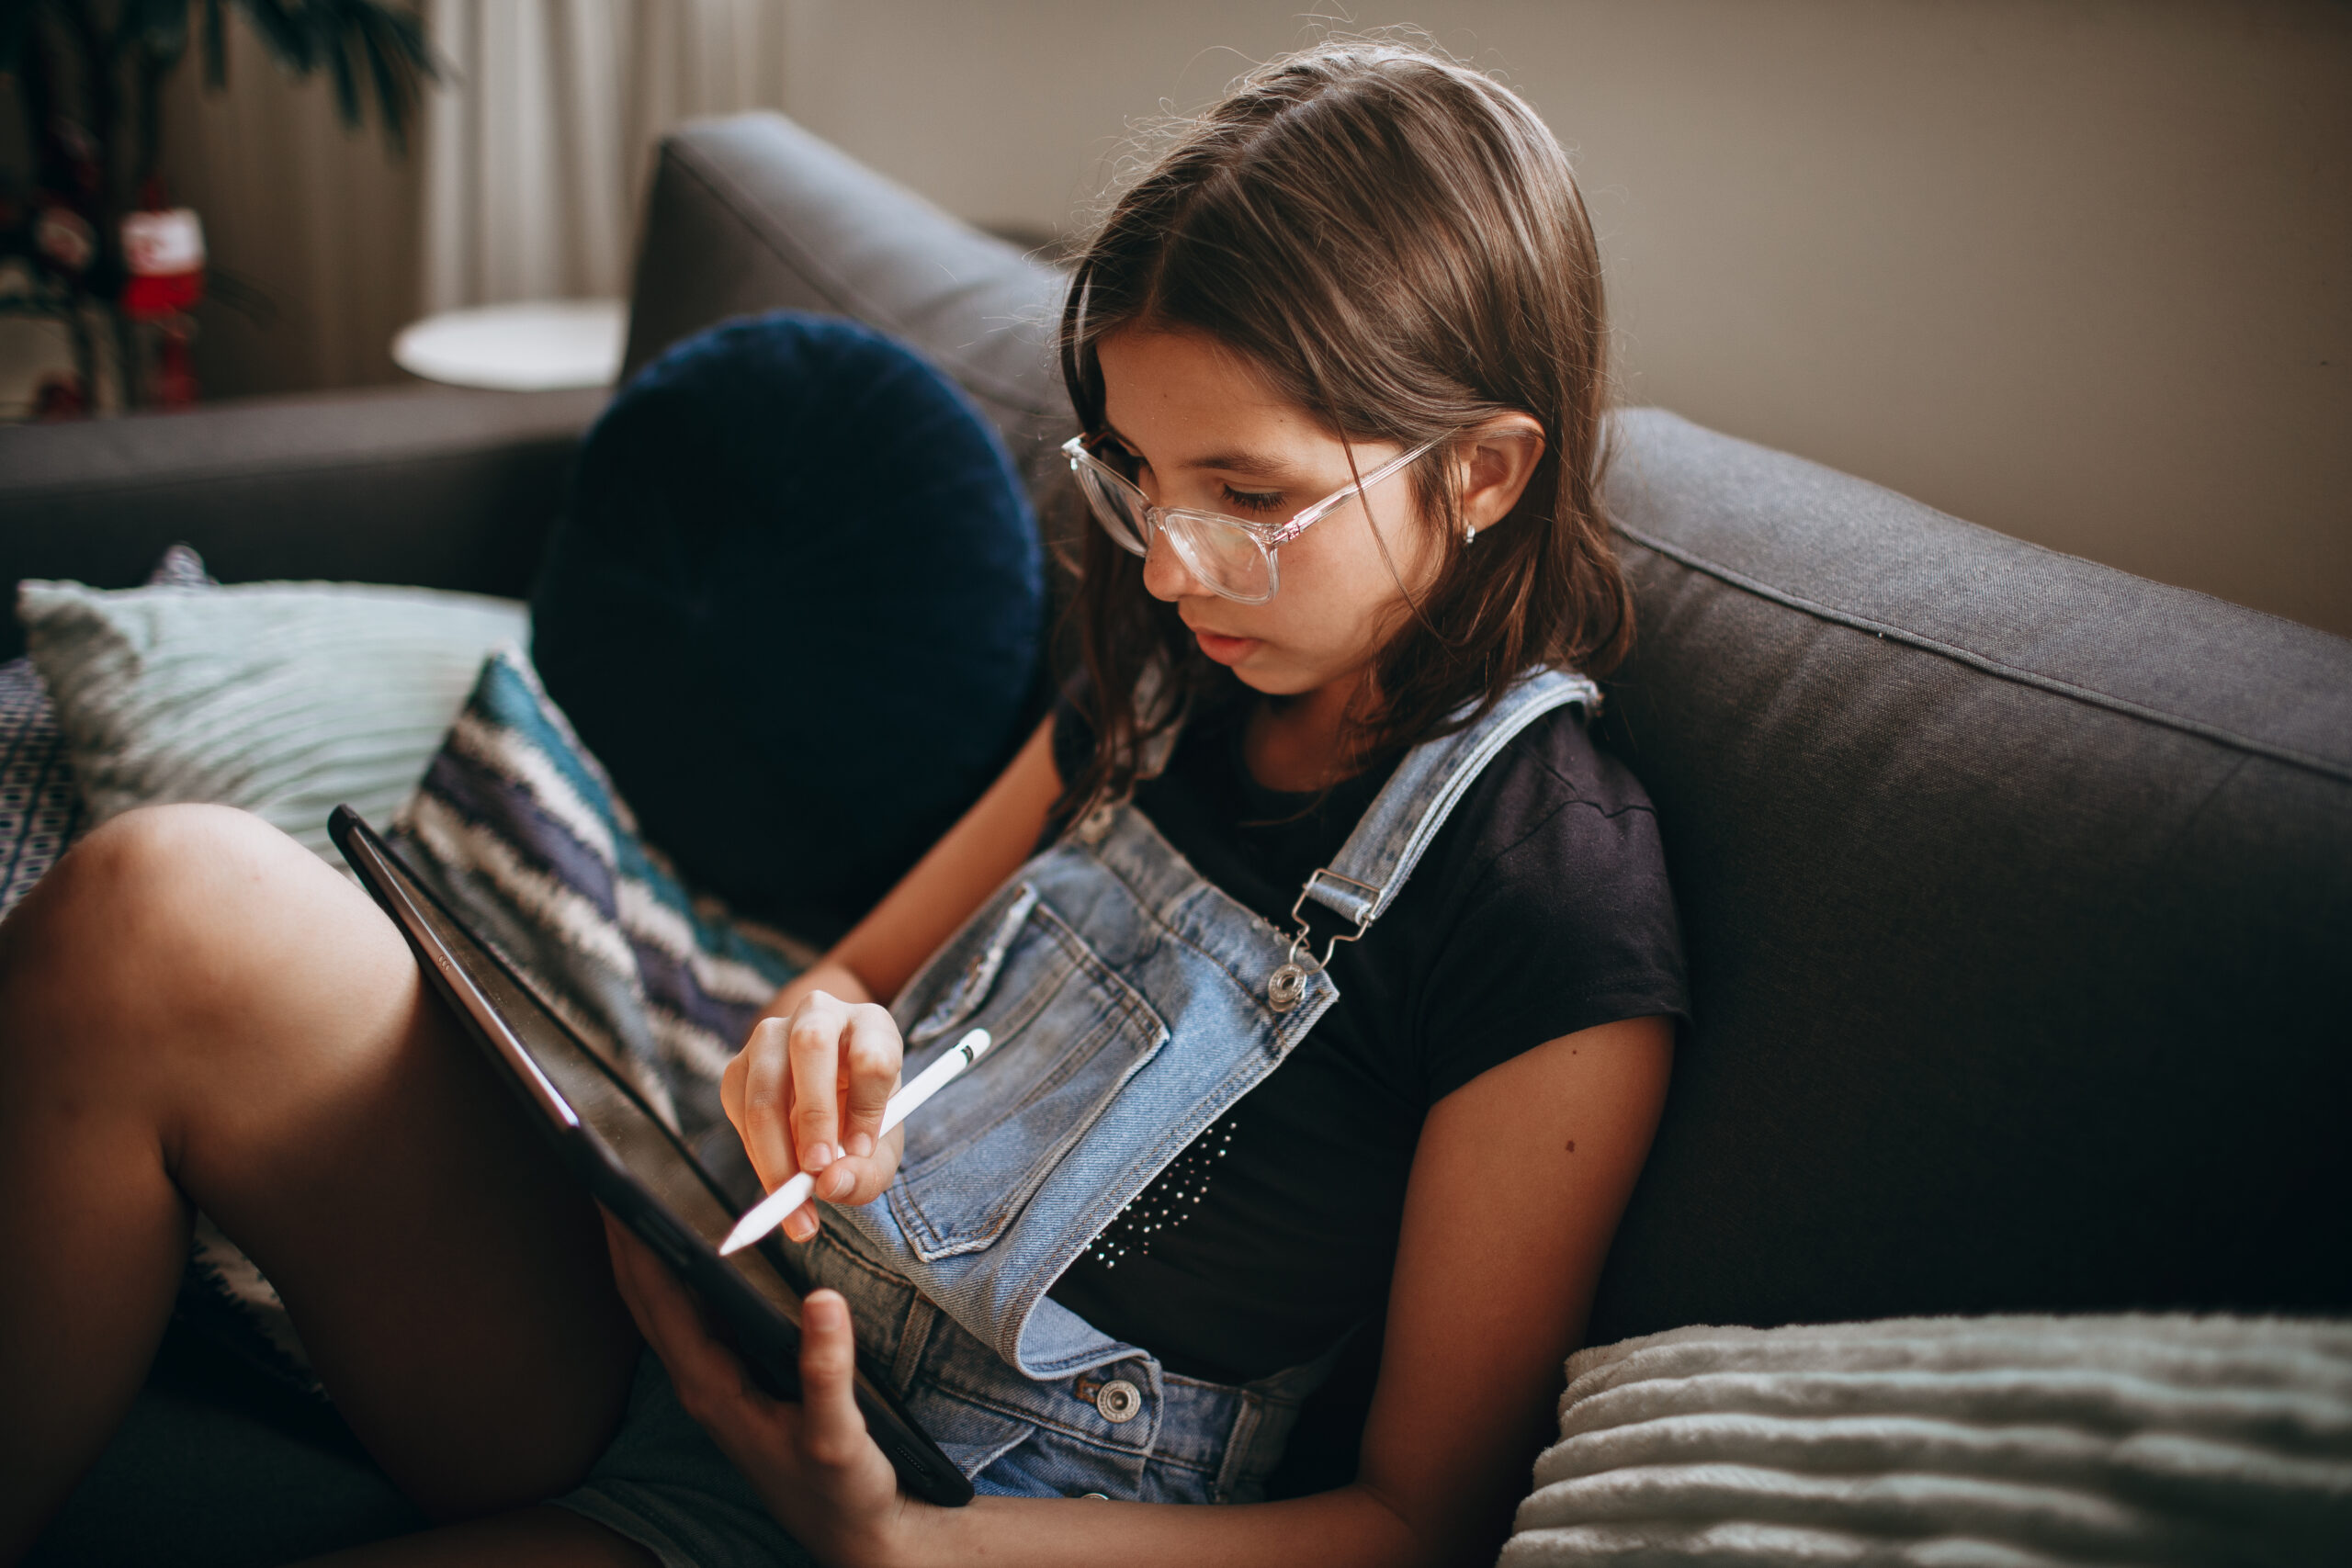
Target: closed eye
{"x":1260,"y":502}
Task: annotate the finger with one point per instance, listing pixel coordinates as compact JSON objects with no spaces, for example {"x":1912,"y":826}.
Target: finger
{"x":871,"y":1057}
{"x":706,"y":1373}
{"x":831,"y":1427}
{"x":759,"y":1116}
{"x":730,"y":1081}
{"x":627,"y":1255}
{"x":664,"y":1313}
{"x":852,"y":1180}
{"x":813,"y":1041}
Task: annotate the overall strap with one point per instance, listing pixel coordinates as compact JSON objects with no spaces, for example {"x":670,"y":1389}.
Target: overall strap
{"x":1370,"y":868}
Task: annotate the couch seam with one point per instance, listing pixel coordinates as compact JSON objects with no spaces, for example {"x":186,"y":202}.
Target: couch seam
{"x":2339,"y":771}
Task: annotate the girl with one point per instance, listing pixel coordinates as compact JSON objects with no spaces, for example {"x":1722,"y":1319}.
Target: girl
{"x":1336,"y":1010}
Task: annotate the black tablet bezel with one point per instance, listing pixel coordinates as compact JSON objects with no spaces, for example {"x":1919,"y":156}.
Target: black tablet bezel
{"x":764,"y":1334}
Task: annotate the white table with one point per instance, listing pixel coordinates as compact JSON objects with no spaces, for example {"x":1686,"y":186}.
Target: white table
{"x":532,"y":347}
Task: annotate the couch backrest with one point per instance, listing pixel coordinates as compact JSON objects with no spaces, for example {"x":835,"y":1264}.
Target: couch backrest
{"x":434,"y":486}
{"x":2018,"y":894}
{"x":752,"y":213}
{"x":2017,"y":890}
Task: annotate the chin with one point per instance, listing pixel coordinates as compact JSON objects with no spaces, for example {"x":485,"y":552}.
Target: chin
{"x":1276,"y":682}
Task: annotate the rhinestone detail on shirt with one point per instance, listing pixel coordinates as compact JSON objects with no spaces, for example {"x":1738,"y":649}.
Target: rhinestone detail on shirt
{"x":1168,"y":1202}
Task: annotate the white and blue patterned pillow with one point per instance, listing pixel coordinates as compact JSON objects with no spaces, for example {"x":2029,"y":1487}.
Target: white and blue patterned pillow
{"x":41,"y":805}
{"x":519,"y":828}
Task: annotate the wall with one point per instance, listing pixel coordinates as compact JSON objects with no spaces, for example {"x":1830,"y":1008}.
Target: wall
{"x":2080,"y":270}
{"x":317,"y":223}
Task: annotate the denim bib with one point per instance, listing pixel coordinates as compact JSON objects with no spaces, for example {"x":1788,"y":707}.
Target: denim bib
{"x":1132,"y":1003}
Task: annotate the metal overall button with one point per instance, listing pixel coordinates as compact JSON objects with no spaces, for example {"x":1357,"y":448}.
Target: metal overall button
{"x":1117,"y":1401}
{"x":1285,"y":988}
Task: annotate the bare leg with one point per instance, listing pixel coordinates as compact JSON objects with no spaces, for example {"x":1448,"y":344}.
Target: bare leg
{"x":194,"y":1012}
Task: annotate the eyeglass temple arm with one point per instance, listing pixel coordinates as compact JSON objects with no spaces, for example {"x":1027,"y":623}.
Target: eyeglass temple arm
{"x":1315,"y":513}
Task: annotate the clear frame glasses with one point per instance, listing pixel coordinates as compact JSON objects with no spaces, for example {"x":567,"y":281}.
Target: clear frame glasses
{"x":1233,"y":556}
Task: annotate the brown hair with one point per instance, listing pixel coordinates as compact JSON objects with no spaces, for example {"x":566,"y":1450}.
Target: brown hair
{"x":1397,"y":242}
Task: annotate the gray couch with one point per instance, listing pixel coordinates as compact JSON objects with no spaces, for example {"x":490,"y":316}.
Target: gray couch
{"x":2017,"y":891}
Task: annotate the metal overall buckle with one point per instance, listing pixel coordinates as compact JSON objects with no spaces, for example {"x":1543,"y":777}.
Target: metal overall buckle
{"x":1286,"y":987}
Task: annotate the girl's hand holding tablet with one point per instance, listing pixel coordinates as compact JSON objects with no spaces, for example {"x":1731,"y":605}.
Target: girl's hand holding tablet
{"x":813,"y":1463}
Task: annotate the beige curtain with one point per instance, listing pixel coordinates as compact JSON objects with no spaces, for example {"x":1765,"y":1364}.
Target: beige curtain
{"x":535,"y":154}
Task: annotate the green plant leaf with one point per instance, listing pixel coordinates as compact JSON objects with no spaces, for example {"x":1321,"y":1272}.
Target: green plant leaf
{"x":216,"y":48}
{"x":158,"y":28}
{"x":286,"y":29}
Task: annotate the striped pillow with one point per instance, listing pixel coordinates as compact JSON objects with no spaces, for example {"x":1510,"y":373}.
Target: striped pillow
{"x":521,"y":831}
{"x":40,"y":809}
{"x":283,"y":698}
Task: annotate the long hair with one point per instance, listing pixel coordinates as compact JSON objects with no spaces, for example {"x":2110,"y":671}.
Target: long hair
{"x":1398,"y":244}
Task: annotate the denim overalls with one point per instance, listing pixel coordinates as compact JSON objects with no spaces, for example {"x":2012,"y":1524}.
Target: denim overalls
{"x":1132,"y":1003}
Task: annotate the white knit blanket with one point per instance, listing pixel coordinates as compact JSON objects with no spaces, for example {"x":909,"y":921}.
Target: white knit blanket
{"x":2004,"y":1442}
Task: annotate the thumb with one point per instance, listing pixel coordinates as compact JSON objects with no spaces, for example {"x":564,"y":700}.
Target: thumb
{"x":832,"y":1427}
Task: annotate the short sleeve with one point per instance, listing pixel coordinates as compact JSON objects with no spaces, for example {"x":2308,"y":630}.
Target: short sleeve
{"x":1568,"y":925}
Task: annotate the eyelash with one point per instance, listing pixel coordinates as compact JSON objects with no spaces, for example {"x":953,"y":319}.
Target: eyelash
{"x":1118,"y":453}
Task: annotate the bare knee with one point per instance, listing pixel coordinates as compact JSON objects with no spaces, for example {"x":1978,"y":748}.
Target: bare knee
{"x":153,"y":879}
{"x":163,"y":913}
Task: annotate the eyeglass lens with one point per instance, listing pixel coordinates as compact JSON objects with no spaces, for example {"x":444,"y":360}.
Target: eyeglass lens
{"x":1226,"y":557}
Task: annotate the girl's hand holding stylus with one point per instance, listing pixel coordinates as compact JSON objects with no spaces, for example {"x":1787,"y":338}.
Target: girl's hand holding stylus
{"x":808,"y":1092}
{"x":809,"y":1087}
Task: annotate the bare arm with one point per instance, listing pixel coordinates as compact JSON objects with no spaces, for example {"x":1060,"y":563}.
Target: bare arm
{"x":809,"y":1086}
{"x":1516,"y":1190}
{"x":988,"y":843}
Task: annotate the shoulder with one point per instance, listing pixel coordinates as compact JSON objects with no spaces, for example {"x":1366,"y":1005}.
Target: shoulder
{"x":1547,"y":904}
{"x":1554,"y":800}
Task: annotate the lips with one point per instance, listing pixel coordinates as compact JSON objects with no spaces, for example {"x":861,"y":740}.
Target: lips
{"x":1224,"y":649}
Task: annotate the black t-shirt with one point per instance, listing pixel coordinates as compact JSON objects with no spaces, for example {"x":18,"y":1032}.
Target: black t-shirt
{"x":1540,"y":908}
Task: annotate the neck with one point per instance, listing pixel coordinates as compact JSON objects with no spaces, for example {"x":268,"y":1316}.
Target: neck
{"x":1297,"y":743}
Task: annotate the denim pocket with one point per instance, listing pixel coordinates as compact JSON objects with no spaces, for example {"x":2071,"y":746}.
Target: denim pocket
{"x":1068,"y":1033}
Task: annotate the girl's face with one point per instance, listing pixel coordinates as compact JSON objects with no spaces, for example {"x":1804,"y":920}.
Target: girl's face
{"x":1208,"y":431}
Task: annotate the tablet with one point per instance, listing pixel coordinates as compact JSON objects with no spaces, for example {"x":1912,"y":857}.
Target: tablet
{"x":634,"y":1165}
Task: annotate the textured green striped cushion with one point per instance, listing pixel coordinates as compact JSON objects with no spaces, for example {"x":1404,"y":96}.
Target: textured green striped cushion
{"x":284,"y":698}
{"x":2014,"y":1441}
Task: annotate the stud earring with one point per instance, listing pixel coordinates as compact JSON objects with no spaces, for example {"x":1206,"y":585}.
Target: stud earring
{"x":1469,"y":532}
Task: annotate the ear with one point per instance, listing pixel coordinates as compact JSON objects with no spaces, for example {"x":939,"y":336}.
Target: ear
{"x":1496,"y":461}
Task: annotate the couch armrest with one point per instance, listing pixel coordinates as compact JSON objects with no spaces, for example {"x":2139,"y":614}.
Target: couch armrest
{"x":429,"y":485}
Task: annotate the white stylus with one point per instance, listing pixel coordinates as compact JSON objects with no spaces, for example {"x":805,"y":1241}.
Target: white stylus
{"x":770,"y":1212}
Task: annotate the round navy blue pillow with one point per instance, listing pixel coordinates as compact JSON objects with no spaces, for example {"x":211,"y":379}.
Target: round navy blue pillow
{"x":796,"y":608}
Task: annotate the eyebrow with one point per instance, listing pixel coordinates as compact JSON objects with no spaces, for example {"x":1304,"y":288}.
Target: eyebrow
{"x":1248,"y":463}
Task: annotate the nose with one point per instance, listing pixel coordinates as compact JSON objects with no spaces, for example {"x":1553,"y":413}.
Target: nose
{"x":1165,"y":575}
